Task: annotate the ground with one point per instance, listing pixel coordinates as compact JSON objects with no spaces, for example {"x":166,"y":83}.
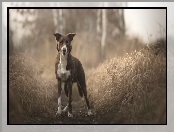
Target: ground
{"x":79,"y":112}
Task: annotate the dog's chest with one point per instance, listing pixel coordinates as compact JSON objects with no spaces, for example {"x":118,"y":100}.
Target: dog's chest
{"x":61,"y":71}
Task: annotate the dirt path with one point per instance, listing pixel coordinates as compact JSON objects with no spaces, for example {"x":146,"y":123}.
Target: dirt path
{"x":79,"y":112}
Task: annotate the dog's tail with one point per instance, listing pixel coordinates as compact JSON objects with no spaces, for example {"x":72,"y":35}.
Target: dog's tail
{"x":80,"y":89}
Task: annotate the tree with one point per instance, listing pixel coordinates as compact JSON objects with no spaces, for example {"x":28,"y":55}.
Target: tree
{"x":122,"y":23}
{"x":98,"y":30}
{"x":11,"y":44}
{"x":104,"y":33}
{"x":59,"y":20}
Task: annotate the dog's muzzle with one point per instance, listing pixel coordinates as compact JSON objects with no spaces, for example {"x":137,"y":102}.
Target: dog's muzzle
{"x":64,"y":51}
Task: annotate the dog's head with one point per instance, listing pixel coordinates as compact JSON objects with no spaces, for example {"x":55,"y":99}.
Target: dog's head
{"x":64,"y":42}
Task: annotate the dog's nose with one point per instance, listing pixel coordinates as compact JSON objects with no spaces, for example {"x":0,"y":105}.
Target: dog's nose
{"x":64,"y":49}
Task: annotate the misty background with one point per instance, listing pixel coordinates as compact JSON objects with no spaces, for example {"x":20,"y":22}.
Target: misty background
{"x":100,"y":33}
{"x":137,"y":23}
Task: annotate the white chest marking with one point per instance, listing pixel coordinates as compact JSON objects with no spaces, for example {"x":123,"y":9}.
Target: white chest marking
{"x":61,"y":71}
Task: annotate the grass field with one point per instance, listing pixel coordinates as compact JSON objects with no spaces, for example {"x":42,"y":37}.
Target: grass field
{"x":128,"y":89}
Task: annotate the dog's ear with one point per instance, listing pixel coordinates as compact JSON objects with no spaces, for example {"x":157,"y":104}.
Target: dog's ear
{"x":71,"y":35}
{"x":57,"y":35}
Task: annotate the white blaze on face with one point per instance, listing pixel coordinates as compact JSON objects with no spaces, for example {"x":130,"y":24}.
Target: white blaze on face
{"x":64,"y":47}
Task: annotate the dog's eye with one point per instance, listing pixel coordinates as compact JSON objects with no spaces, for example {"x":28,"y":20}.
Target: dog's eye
{"x":67,"y":42}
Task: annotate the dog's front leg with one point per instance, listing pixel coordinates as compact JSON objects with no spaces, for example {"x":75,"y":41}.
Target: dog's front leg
{"x":70,"y":100}
{"x":59,"y":97}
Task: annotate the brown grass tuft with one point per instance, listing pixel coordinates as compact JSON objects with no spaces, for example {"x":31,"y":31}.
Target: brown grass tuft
{"x":129,"y":89}
{"x":32,"y":90}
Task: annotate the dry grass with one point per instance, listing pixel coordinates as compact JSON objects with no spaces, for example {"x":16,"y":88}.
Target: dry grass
{"x":16,"y":112}
{"x":129,"y":89}
{"x":122,"y":90}
{"x":32,"y":90}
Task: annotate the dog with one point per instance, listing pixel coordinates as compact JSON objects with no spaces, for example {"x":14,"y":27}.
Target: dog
{"x":69,"y":70}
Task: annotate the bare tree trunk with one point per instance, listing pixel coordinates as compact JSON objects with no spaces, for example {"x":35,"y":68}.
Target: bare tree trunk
{"x":123,"y":23}
{"x":98,"y":23}
{"x":55,"y":19}
{"x":104,"y":33}
{"x":59,"y":21}
{"x":11,"y":44}
{"x":63,"y":21}
{"x":98,"y":30}
{"x":123,"y":29}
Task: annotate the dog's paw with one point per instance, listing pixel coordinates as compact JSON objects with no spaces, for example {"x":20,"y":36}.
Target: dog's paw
{"x":70,"y":115}
{"x":89,"y":112}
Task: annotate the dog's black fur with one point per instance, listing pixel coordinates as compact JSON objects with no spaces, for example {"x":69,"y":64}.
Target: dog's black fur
{"x":77,"y":74}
